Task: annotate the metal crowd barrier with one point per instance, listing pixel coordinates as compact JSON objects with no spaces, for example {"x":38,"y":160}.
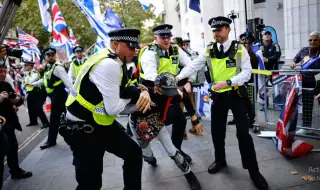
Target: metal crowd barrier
{"x":309,"y":107}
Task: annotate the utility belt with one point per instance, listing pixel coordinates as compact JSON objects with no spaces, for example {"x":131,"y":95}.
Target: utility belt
{"x":240,"y":91}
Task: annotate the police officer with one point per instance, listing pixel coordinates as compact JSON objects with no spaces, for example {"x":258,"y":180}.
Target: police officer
{"x":55,"y":80}
{"x":160,"y":57}
{"x":34,"y":101}
{"x":94,"y":102}
{"x":229,"y":66}
{"x":271,"y":52}
{"x":76,"y":63}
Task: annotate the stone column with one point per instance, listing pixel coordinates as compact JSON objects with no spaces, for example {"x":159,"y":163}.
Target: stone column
{"x":300,"y":19}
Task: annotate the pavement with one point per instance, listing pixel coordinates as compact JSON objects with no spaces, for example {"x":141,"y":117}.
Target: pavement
{"x":53,"y":170}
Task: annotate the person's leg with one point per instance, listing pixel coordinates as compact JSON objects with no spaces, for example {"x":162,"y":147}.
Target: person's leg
{"x":180,"y":161}
{"x":12,"y":155}
{"x":31,"y":104}
{"x":3,"y":147}
{"x":40,"y":112}
{"x":307,"y":107}
{"x":116,"y":141}
{"x":176,"y":117}
{"x":246,"y":146}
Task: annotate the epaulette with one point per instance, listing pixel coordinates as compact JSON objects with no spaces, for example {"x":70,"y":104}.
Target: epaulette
{"x":234,"y":48}
{"x":210,"y":49}
{"x":112,"y":55}
{"x":152,"y":47}
{"x":175,"y":49}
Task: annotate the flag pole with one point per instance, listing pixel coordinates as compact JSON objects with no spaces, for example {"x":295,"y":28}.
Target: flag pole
{"x":89,"y":48}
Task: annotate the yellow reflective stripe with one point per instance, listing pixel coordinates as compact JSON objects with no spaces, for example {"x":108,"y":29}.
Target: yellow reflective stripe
{"x":85,"y":103}
{"x":261,"y":72}
{"x":57,"y":83}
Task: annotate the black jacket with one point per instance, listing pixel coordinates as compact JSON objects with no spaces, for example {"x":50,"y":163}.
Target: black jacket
{"x":273,"y":53}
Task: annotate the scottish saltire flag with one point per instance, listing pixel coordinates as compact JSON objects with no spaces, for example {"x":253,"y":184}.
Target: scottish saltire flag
{"x":145,"y":4}
{"x":26,"y":37}
{"x":287,"y":125}
{"x":60,"y":34}
{"x":73,"y":40}
{"x":195,"y":5}
{"x":44,"y":7}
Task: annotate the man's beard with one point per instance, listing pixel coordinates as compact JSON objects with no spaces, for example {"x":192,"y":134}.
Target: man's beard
{"x":51,"y":61}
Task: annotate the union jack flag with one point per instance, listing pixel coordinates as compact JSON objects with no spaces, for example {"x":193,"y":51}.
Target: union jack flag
{"x":287,"y":125}
{"x":59,"y":25}
{"x":73,"y":39}
{"x":26,"y":37}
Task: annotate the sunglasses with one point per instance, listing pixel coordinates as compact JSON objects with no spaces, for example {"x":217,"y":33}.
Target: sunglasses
{"x":314,"y":40}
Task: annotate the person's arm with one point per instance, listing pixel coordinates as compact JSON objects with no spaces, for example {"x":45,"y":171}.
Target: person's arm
{"x":185,"y":60}
{"x":196,"y":65}
{"x":61,"y":73}
{"x":106,"y":76}
{"x":246,"y":70}
{"x":149,"y":65}
{"x":37,"y":83}
{"x":298,"y":57}
{"x":32,"y":78}
{"x":70,"y":72}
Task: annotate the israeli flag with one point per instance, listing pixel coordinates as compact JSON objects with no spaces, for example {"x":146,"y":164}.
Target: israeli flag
{"x":145,"y":4}
{"x":93,"y":6}
{"x":45,"y":14}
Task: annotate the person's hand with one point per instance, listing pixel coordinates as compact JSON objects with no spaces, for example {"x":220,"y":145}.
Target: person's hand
{"x":220,"y":85}
{"x":177,"y":79}
{"x":3,"y":95}
{"x":262,"y":48}
{"x":3,"y":52}
{"x":318,"y":96}
{"x":187,"y":86}
{"x":144,"y":101}
{"x":293,"y":65}
{"x":197,"y":129}
{"x":266,"y":60}
{"x":143,"y":87}
{"x":180,"y":93}
{"x":2,"y":120}
{"x":28,"y":85}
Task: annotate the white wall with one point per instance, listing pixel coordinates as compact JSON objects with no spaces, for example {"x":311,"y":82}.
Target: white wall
{"x":171,"y":16}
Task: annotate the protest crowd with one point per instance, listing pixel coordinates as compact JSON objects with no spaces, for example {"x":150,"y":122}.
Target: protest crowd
{"x":153,"y":85}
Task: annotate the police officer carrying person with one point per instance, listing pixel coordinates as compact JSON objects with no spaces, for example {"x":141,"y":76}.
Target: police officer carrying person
{"x":76,"y":63}
{"x":92,"y":106}
{"x":160,"y":57}
{"x":34,"y":101}
{"x":271,"y":52}
{"x":55,"y":80}
{"x":229,"y":67}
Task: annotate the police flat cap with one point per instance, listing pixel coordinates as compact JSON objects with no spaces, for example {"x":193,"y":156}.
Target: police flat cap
{"x":29,"y":62}
{"x":186,"y":41}
{"x":128,"y":35}
{"x":49,"y":50}
{"x":77,"y":48}
{"x":163,"y":30}
{"x":217,"y":22}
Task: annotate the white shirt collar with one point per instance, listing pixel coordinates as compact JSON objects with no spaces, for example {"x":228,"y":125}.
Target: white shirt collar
{"x":226,"y":45}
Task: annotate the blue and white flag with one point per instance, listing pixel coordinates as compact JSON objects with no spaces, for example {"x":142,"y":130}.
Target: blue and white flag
{"x":195,"y":5}
{"x":44,"y":7}
{"x":145,"y":4}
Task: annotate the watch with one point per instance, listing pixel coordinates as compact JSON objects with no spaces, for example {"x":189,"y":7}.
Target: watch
{"x":229,"y":82}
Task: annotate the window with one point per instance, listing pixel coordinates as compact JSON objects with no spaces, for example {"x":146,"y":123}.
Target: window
{"x":259,"y":1}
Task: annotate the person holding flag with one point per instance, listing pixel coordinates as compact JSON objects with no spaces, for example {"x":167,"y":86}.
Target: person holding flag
{"x":229,"y":67}
{"x":76,"y":63}
{"x":34,"y":102}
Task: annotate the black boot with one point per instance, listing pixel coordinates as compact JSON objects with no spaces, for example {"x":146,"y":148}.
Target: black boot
{"x":232,"y":122}
{"x":258,"y":180}
{"x":193,"y":181}
{"x":150,"y":160}
{"x":216,"y":166}
{"x":20,"y":174}
{"x":32,"y":124}
{"x":186,"y":156}
{"x":45,"y":126}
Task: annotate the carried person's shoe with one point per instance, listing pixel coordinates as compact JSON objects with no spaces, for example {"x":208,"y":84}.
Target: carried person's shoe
{"x":47,"y":145}
{"x":150,"y":160}
{"x":216,"y":167}
{"x":193,"y":181}
{"x":20,"y":174}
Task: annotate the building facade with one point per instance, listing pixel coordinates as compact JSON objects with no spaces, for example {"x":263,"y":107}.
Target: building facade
{"x":293,"y":20}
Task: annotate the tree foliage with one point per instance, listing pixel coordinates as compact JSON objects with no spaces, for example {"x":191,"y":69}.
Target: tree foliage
{"x":130,"y":12}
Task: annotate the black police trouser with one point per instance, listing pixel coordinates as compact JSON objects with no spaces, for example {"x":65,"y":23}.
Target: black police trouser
{"x":176,"y":117}
{"x":222,"y":102}
{"x":307,"y":107}
{"x":12,"y":149}
{"x":88,"y":151}
{"x":35,"y":108}
{"x":3,"y":148}
{"x":58,"y":100}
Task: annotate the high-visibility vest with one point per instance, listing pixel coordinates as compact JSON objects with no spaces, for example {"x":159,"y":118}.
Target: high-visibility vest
{"x":169,"y":65}
{"x":50,"y":81}
{"x":223,"y":69}
{"x":26,"y":81}
{"x":96,"y":111}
